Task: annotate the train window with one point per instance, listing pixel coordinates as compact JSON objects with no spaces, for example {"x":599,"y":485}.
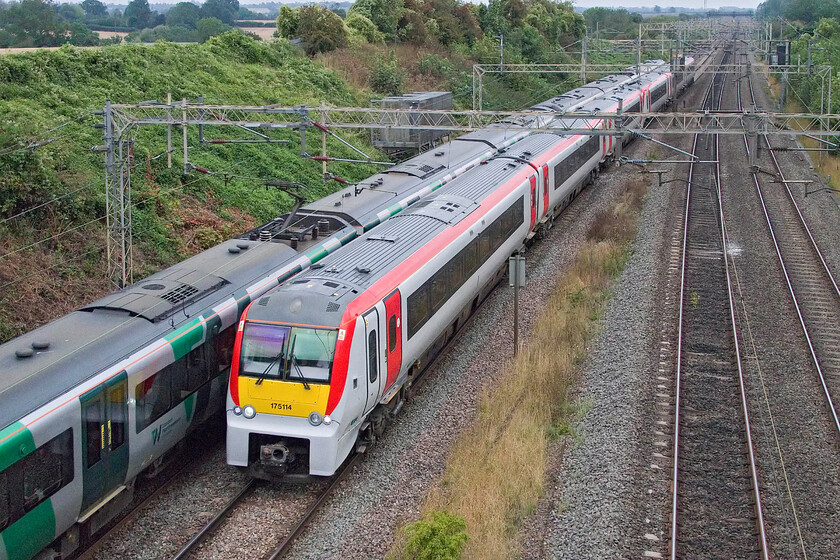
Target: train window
{"x":196,"y":366}
{"x":515,"y":213}
{"x":657,"y":93}
{"x":48,"y":469}
{"x":418,"y":309}
{"x":152,"y":399}
{"x":93,"y":429}
{"x":471,"y":257}
{"x":177,"y":373}
{"x":457,"y":272}
{"x":496,"y":234}
{"x":223,"y":348}
{"x":4,"y":500}
{"x":439,"y":287}
{"x":392,"y":333}
{"x":372,"y":357}
{"x":484,"y":246}
{"x":116,"y":416}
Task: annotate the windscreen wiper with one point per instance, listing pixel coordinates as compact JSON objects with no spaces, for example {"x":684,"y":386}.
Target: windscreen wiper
{"x":300,"y":373}
{"x":262,"y":376}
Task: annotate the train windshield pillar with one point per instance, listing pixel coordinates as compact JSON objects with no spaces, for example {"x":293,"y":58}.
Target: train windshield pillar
{"x":293,"y":354}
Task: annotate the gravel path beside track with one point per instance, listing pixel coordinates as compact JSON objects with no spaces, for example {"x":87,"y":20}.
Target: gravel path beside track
{"x":609,"y":495}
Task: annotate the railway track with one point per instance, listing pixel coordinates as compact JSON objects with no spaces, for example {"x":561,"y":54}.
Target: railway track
{"x":716,"y":506}
{"x":811,"y":284}
{"x":191,"y":548}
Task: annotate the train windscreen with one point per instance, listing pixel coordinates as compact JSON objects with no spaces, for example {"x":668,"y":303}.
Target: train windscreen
{"x":293,"y":354}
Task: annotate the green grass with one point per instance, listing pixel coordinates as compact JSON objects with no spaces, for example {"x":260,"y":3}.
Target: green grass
{"x":175,"y":215}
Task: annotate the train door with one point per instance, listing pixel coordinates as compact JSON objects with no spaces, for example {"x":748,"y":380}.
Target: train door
{"x":393,"y":326}
{"x":372,"y":349}
{"x":104,"y":442}
{"x":545,"y":189}
{"x":533,"y":201}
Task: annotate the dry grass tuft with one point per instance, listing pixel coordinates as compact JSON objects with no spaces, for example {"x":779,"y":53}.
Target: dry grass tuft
{"x":495,"y":474}
{"x":618,"y":222}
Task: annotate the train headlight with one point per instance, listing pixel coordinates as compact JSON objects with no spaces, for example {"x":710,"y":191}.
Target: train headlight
{"x":315,"y":419}
{"x":327,"y":420}
{"x":249,"y":412}
{"x":237,"y":410}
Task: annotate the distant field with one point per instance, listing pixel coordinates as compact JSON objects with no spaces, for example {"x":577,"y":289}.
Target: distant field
{"x":264,"y":33}
{"x":109,"y":34}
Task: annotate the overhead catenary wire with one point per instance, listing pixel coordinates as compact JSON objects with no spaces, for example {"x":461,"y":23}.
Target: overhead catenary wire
{"x":35,"y":143}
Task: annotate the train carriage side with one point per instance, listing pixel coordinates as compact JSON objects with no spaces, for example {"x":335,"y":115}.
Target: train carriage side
{"x":121,"y":381}
{"x":440,"y":259}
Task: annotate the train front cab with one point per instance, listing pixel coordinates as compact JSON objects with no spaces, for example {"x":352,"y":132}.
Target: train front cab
{"x":279,"y":390}
{"x":301,"y":395}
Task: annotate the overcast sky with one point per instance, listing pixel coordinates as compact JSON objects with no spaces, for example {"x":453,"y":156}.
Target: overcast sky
{"x":580,"y":3}
{"x":666,"y":3}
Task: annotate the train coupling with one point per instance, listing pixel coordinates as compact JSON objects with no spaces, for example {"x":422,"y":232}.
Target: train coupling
{"x":276,"y":456}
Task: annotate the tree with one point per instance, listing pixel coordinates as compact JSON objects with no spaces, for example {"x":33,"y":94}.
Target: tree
{"x":320,"y":29}
{"x":94,"y":9}
{"x":210,"y":27}
{"x":363,"y":27}
{"x":384,"y":13}
{"x":183,"y":14}
{"x":138,"y":14}
{"x":224,"y":10}
{"x":81,"y":36}
{"x":33,"y":23}
{"x":70,"y":12}
{"x":288,"y":20}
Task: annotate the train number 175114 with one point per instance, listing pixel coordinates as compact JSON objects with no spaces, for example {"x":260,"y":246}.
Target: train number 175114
{"x":281,"y":406}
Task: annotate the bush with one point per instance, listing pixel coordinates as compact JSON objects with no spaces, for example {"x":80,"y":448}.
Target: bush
{"x":440,"y":536}
{"x":210,"y":27}
{"x":364,"y":28}
{"x":320,"y":29}
{"x":434,"y":65}
{"x":287,"y":22}
{"x":386,"y":76}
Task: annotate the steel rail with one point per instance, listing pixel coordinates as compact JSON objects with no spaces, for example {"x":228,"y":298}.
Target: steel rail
{"x":786,"y":274}
{"x":753,"y":469}
{"x":200,"y":536}
{"x":675,"y":475}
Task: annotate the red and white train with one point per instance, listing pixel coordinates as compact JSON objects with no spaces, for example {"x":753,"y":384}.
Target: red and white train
{"x":322,"y":362}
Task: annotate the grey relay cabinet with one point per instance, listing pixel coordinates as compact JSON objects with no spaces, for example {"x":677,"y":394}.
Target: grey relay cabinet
{"x":404,"y":140}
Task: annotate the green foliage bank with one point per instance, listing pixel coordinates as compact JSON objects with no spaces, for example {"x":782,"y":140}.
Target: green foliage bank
{"x":174,"y":215}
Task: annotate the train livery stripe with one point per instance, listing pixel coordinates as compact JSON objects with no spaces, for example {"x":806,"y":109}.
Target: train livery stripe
{"x":184,"y":339}
{"x":390,"y":281}
{"x":25,"y":537}
{"x":17,"y":443}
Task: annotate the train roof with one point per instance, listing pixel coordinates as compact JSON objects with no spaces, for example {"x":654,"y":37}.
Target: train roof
{"x":342,"y":276}
{"x":359,"y":206}
{"x":68,"y":351}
